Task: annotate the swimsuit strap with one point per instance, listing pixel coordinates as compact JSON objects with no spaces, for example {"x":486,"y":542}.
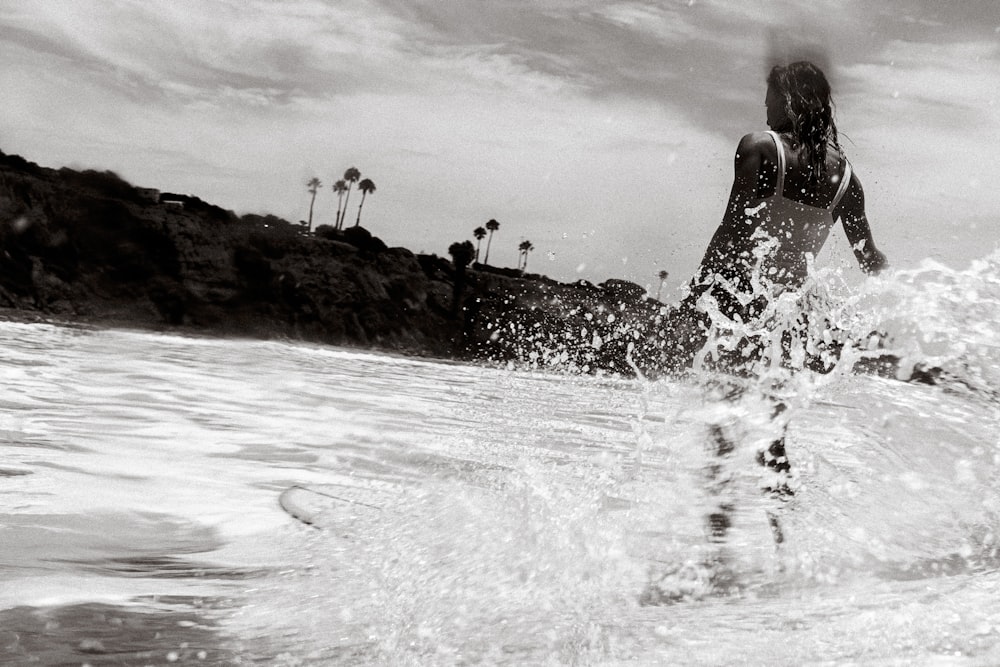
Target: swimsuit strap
{"x":779,"y":188}
{"x":845,"y":181}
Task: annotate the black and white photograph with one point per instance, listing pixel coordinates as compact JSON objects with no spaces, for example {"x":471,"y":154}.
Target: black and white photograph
{"x":499,"y":332}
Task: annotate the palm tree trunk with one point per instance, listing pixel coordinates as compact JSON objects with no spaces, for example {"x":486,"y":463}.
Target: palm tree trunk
{"x":357,"y":223}
{"x":340,"y":200}
{"x":489,"y":240}
{"x":478,"y":241}
{"x":311,"y":212}
{"x":346,"y":200}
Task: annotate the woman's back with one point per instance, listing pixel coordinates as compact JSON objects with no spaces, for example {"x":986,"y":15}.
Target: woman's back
{"x":789,"y":186}
{"x":797,"y":185}
{"x":797,"y":211}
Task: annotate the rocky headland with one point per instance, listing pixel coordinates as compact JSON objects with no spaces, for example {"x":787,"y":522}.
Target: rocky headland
{"x":88,"y":246}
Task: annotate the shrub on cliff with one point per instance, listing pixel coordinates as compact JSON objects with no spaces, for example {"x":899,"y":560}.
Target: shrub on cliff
{"x":328,"y":232}
{"x":270,"y":223}
{"x":435,"y":268}
{"x":20,"y":164}
{"x":106,"y":183}
{"x":271,"y":235}
{"x":206,"y":210}
{"x":362,"y":239}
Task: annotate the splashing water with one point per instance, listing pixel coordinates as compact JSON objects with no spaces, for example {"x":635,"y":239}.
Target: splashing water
{"x":139,"y":484}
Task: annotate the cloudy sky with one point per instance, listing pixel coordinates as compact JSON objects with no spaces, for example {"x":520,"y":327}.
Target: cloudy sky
{"x":601,"y":131}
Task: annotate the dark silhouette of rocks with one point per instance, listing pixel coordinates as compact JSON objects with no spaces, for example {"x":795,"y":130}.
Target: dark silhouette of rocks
{"x":88,"y":246}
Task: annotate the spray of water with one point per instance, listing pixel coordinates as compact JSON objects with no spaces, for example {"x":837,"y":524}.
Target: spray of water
{"x":549,"y":558}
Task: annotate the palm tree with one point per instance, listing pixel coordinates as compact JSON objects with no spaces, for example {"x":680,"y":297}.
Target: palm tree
{"x":461,"y":254}
{"x":525,"y":248}
{"x":366,"y":186}
{"x":340,"y":188}
{"x":351,"y":176}
{"x":663,"y":277}
{"x":480,"y":234}
{"x":314,"y":185}
{"x":492,"y":225}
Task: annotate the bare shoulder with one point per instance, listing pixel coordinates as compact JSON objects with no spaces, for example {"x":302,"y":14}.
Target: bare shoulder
{"x":755,"y":149}
{"x":759,"y":143}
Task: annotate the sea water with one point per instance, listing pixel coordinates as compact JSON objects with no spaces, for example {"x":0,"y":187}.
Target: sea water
{"x":140,"y":523}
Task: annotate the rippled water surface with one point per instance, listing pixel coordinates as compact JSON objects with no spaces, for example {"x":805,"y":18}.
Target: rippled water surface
{"x":526,"y":514}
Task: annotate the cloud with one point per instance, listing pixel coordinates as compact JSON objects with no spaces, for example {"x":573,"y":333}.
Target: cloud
{"x":556,"y":117}
{"x":918,"y":115}
{"x":667,"y":25}
{"x":197,"y":48}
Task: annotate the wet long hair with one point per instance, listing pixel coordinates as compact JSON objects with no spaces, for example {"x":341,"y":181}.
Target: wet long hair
{"x":809,"y":107}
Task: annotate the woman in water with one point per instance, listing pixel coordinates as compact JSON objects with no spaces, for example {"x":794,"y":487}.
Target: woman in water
{"x":797,"y":179}
{"x":791,"y":184}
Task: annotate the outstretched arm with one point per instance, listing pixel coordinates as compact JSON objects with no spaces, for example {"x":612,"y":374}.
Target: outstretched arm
{"x":851,"y":211}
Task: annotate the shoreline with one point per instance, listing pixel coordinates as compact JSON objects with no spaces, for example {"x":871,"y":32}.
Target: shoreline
{"x":89,"y":249}
{"x":95,"y":324}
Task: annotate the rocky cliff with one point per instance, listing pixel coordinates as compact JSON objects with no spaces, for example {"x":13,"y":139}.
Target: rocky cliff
{"x":88,"y":245}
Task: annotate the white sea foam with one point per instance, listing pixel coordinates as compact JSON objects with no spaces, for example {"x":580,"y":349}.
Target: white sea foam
{"x":536,"y":508}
